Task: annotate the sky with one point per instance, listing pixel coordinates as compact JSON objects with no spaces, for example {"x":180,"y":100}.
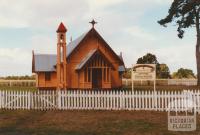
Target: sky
{"x":128,"y":26}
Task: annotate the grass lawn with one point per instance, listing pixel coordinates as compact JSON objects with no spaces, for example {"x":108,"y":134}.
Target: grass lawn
{"x":86,"y":123}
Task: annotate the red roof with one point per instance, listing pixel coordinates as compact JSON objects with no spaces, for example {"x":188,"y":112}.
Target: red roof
{"x":61,"y":28}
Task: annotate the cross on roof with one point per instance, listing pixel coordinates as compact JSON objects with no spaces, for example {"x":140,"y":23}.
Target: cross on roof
{"x":93,"y":22}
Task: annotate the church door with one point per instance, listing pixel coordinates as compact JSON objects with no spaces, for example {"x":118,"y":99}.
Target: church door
{"x":96,"y":78}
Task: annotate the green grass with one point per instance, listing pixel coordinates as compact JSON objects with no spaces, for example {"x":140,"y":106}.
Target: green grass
{"x":86,"y":123}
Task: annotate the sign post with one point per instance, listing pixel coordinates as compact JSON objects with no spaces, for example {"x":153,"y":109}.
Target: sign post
{"x":144,"y":72}
{"x":132,"y":79}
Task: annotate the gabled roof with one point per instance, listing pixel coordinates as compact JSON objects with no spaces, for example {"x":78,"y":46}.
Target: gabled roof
{"x":90,"y":56}
{"x":47,"y":62}
{"x":44,"y":62}
{"x":74,"y":44}
{"x":86,"y":59}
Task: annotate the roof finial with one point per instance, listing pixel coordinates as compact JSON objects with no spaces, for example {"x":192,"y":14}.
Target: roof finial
{"x":71,"y":39}
{"x":93,"y":22}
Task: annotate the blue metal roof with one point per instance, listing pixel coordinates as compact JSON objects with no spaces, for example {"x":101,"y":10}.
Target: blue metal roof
{"x":45,"y":62}
{"x":72,"y":45}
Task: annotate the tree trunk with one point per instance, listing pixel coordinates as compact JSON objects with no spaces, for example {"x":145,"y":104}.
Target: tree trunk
{"x":198,"y":46}
{"x":198,"y":60}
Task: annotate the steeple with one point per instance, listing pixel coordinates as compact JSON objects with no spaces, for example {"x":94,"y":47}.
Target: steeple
{"x":61,"y":28}
{"x":61,"y":67}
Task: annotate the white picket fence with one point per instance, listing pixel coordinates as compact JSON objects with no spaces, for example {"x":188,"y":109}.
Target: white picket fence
{"x":99,"y":100}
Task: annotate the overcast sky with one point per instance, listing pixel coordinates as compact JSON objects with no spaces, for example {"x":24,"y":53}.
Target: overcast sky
{"x":129,"y":26}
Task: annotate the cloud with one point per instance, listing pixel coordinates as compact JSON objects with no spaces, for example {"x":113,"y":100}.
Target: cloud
{"x":120,"y":22}
{"x":15,"y":61}
{"x":40,"y":14}
{"x":138,"y":32}
{"x":35,"y":13}
{"x":103,"y":3}
{"x":178,"y":56}
{"x":43,"y":44}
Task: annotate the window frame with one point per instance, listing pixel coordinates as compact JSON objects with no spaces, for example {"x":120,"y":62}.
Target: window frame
{"x":47,"y":76}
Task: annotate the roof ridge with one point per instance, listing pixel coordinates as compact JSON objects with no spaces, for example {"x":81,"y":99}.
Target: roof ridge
{"x":72,"y":45}
{"x":82,"y":35}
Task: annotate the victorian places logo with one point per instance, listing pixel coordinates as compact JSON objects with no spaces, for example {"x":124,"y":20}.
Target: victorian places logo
{"x":182,"y":113}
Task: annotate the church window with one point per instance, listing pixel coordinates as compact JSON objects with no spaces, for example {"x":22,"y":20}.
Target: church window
{"x":89,"y":75}
{"x":85,"y":75}
{"x":61,"y":54}
{"x":104,"y":74}
{"x":47,"y":76}
{"x":108,"y":74}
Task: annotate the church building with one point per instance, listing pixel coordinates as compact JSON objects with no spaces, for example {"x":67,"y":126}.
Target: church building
{"x":85,"y":63}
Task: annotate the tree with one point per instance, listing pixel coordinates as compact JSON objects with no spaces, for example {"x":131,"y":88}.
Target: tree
{"x":183,"y":73}
{"x":127,"y":73}
{"x":162,"y":70}
{"x":26,"y":77}
{"x":148,"y":59}
{"x":186,"y":14}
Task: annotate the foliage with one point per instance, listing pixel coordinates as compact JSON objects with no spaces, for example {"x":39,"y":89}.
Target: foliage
{"x":26,"y":77}
{"x":148,"y":59}
{"x":127,"y":73}
{"x":162,"y":70}
{"x":185,"y":13}
{"x":183,"y":73}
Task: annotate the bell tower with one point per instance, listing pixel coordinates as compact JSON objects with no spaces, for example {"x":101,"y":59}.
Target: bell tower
{"x":61,"y":66}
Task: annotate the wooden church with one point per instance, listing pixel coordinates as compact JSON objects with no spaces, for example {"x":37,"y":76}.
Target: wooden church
{"x":85,"y":63}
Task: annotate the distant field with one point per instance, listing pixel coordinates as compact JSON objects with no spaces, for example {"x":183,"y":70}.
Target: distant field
{"x":17,"y":88}
{"x":87,"y":123}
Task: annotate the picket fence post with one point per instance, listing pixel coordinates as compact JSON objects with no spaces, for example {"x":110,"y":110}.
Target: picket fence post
{"x":97,"y":100}
{"x":0,"y":99}
{"x":59,"y":96}
{"x":29,"y":99}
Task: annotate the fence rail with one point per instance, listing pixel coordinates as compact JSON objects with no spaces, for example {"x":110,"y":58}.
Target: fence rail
{"x":183,"y":82}
{"x":126,"y":82}
{"x":98,"y":100}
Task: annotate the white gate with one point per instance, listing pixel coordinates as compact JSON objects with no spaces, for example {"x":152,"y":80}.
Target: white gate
{"x":44,"y":100}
